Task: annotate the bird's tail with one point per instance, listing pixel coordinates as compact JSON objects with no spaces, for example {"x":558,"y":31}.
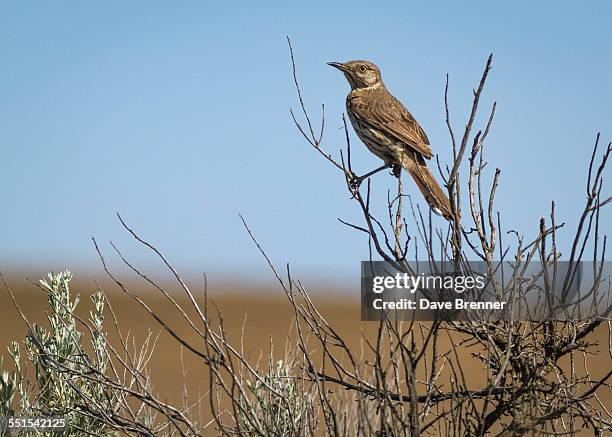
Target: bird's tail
{"x":433,"y":193}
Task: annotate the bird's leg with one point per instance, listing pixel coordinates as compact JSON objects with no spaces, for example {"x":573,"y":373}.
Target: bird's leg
{"x":397,"y":170}
{"x":357,"y":180}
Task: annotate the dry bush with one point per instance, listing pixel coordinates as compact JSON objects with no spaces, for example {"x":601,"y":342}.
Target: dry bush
{"x":408,"y":379}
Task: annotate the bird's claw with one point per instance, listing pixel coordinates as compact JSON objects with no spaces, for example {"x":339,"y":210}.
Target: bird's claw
{"x":355,"y":182}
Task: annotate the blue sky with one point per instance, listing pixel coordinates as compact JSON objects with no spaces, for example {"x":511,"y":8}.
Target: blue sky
{"x":176,"y":114}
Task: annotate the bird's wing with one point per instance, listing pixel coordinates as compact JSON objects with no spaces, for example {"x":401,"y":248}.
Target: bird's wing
{"x":388,"y":115}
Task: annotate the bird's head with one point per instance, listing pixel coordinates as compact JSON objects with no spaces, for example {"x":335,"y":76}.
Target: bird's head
{"x":360,"y":74}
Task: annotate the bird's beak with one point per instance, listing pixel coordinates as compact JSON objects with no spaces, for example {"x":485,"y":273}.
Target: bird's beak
{"x":339,"y":65}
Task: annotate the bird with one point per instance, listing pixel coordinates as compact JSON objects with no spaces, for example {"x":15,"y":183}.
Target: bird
{"x":390,"y":131}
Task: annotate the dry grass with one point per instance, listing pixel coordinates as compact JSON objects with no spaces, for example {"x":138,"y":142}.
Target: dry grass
{"x":263,"y":317}
{"x":267,"y":313}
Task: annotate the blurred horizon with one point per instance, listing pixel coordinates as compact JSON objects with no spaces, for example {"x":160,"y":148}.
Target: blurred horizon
{"x":177,"y":117}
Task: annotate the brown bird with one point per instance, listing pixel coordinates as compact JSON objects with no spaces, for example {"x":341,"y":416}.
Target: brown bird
{"x":390,"y":131}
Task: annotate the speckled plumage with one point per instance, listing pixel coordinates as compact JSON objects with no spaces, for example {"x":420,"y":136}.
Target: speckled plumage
{"x":389,"y":131}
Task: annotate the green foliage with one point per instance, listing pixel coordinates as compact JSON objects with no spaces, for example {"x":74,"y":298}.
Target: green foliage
{"x":7,"y":391}
{"x":65,"y":381}
{"x":276,"y":405}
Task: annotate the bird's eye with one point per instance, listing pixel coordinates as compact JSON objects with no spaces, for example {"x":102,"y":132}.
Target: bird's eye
{"x":363,"y":68}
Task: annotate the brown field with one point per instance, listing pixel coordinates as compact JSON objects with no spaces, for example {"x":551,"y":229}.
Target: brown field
{"x":263,"y":315}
